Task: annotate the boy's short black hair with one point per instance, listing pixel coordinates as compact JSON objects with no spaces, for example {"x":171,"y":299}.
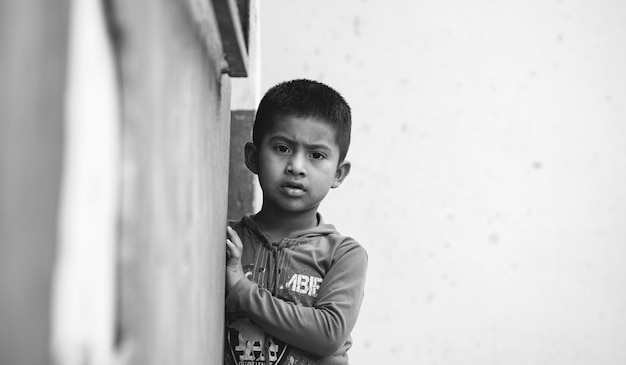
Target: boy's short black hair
{"x":305,"y":98}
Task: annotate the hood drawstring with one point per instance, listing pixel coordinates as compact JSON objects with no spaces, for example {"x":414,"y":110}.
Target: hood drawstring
{"x":276,"y":271}
{"x":272,"y":260}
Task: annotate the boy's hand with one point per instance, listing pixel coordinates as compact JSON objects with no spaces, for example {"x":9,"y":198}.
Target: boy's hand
{"x":234,"y":248}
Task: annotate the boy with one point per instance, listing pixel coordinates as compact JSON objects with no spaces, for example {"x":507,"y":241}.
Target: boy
{"x":294,"y":285}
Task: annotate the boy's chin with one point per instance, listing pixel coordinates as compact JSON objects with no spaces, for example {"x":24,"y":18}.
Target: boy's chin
{"x":294,"y":209}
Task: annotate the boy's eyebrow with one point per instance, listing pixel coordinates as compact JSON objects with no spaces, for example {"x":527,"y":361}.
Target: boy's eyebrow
{"x":320,"y":145}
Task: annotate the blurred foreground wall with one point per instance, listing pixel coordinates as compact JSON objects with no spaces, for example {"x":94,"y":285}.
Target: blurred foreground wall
{"x":115,"y":133}
{"x":33,"y":47}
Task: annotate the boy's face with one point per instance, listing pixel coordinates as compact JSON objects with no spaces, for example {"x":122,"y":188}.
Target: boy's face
{"x":297,"y":163}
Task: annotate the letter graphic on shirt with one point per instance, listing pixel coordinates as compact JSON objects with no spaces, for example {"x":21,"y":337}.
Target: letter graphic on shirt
{"x":304,"y":284}
{"x":314,"y":286}
{"x":250,"y":345}
{"x":291,"y":284}
{"x":249,"y":336}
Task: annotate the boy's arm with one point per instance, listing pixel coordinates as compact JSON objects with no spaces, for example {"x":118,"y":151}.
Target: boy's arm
{"x":322,"y":329}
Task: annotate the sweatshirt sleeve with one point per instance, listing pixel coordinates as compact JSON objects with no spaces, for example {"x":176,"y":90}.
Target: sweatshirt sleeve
{"x":322,"y":329}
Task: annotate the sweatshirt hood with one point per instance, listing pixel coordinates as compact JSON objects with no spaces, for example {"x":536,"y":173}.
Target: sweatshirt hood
{"x":322,"y":229}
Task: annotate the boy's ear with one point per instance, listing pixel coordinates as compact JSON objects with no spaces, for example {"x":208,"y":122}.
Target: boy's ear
{"x":251,"y":155}
{"x":342,"y":171}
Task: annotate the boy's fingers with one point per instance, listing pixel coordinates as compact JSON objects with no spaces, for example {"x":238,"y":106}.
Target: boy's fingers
{"x":231,"y":246}
{"x":234,"y":237}
{"x":232,"y":250}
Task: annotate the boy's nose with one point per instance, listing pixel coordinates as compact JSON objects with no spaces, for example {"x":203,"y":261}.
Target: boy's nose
{"x":296,"y":165}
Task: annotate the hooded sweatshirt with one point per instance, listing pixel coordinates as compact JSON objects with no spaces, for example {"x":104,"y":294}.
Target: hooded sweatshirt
{"x":299,"y":299}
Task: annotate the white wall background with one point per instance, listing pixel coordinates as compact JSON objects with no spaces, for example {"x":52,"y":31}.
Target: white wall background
{"x":489,"y":171}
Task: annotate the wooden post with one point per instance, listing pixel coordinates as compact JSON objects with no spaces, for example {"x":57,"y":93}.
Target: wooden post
{"x":176,"y":135}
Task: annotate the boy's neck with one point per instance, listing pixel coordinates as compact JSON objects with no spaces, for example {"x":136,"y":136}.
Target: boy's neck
{"x":278,"y":226}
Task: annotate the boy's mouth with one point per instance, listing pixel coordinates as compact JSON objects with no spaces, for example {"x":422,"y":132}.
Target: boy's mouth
{"x":293,"y":188}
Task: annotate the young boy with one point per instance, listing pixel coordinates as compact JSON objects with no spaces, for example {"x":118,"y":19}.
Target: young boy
{"x":294,"y":284}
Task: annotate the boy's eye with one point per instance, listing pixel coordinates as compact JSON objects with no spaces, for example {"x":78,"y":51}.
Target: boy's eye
{"x":317,"y":155}
{"x":282,"y":149}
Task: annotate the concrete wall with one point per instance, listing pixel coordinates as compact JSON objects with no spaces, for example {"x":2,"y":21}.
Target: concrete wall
{"x":488,"y":176}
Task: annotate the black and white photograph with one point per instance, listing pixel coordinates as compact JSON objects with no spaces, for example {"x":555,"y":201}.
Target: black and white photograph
{"x":298,"y":182}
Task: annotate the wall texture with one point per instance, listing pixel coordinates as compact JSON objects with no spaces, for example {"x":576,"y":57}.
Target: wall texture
{"x":488,"y":172}
{"x":33,"y":46}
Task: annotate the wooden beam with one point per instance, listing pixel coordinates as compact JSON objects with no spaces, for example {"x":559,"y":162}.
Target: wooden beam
{"x":232,"y":35}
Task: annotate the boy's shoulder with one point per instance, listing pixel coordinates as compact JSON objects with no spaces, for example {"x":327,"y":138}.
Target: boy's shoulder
{"x":341,"y":244}
{"x":334,"y":233}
